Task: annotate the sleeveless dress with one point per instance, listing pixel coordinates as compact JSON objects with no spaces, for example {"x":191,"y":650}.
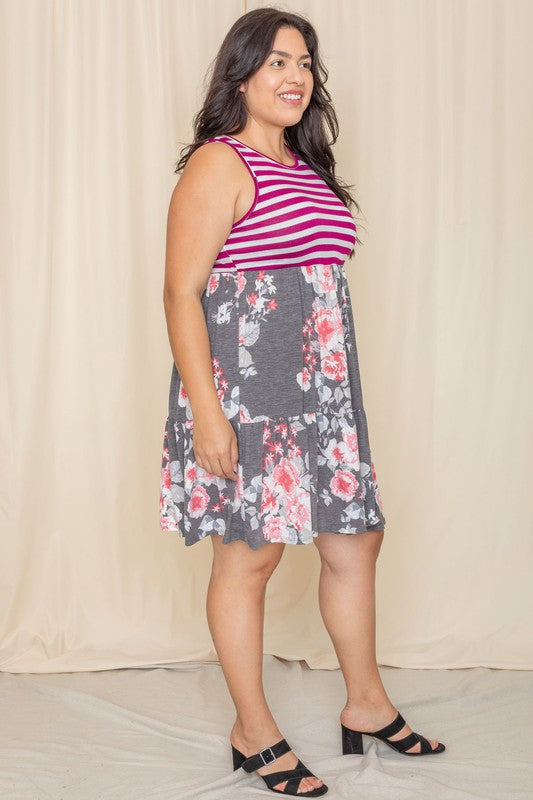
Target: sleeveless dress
{"x":285,"y":367}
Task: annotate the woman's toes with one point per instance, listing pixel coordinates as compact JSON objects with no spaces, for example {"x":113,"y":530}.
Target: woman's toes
{"x":308,"y":784}
{"x":305,"y":785}
{"x":416,"y":748}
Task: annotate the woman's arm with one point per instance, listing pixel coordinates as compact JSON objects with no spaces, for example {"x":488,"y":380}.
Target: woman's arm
{"x":200,"y":217}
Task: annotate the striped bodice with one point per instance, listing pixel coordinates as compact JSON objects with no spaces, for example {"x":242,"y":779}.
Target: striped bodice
{"x":295,"y":218}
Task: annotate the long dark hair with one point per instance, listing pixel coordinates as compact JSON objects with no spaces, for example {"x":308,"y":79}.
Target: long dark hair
{"x":241,"y":54}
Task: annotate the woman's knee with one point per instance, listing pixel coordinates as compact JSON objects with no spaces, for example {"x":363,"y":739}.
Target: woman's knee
{"x":339,"y":550}
{"x":239,"y":559}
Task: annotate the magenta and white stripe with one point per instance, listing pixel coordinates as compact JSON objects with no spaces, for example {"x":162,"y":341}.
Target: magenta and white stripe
{"x":295,"y":218}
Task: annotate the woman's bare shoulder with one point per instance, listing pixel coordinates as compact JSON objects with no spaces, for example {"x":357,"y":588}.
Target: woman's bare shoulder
{"x":211,"y":181}
{"x":216,"y":163}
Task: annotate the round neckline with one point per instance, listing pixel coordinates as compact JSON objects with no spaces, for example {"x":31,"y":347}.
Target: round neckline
{"x":280,"y":163}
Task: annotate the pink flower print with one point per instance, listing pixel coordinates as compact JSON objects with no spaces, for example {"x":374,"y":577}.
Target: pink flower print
{"x":169,"y":523}
{"x":344,"y":484}
{"x":213,"y":283}
{"x":190,"y":473}
{"x":328,"y":323}
{"x":286,"y":476}
{"x":334,"y":365}
{"x":378,"y":499}
{"x":269,"y":501}
{"x":244,"y":414}
{"x":310,"y":347}
{"x":267,"y":433}
{"x":183,"y":394}
{"x":221,"y":384}
{"x":339,"y":453}
{"x":198,"y":502}
{"x":304,"y":379}
{"x":165,"y":473}
{"x":295,"y":450}
{"x":272,"y":304}
{"x":217,"y":369}
{"x":298,"y":511}
{"x":276,"y":450}
{"x":282,"y":428}
{"x":241,"y":281}
{"x":253,"y":298}
{"x":274,"y":529}
{"x":351,"y":453}
{"x":223,"y":501}
{"x":333,"y":453}
{"x":325,"y":278}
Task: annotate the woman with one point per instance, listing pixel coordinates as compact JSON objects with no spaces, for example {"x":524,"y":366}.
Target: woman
{"x":266,"y":442}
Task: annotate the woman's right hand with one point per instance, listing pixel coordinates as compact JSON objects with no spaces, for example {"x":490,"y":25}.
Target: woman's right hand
{"x":215,"y":445}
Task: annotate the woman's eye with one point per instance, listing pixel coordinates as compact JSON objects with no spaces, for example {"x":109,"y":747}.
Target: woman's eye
{"x":305,"y":63}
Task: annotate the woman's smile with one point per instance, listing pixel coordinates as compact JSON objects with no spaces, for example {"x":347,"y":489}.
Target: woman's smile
{"x":292,"y":98}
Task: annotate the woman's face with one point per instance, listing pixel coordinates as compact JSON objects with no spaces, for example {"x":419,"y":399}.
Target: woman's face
{"x":284,"y":72}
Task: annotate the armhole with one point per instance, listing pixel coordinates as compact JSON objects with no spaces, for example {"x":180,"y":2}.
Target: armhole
{"x":256,"y":185}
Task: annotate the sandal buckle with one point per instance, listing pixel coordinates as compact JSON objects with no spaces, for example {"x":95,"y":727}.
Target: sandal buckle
{"x":270,"y":759}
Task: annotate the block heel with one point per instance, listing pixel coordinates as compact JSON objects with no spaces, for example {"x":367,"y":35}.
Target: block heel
{"x":352,"y":741}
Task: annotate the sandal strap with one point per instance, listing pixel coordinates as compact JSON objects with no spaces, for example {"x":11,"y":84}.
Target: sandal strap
{"x":389,"y":730}
{"x":292,"y":786}
{"x":425,"y":744}
{"x":292,"y":776}
{"x":266,"y":756}
{"x":409,"y":741}
{"x":404,"y":744}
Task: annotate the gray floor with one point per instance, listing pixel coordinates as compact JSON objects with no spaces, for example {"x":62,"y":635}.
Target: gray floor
{"x":162,"y":732}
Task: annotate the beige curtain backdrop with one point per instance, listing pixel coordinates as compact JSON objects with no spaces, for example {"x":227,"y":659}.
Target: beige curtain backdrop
{"x":434,"y":99}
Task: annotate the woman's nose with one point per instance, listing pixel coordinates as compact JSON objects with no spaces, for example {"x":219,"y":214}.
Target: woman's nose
{"x":295,"y":76}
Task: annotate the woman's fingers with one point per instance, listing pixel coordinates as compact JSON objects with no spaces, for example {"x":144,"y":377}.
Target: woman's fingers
{"x":215,"y":447}
{"x":227,"y":468}
{"x":220,"y":465}
{"x":234,"y":453}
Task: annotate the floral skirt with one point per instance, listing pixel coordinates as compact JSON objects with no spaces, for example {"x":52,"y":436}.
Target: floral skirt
{"x":285,"y":367}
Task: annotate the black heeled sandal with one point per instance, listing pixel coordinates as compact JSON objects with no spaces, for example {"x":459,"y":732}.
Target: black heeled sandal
{"x":352,"y":741}
{"x":292,"y":776}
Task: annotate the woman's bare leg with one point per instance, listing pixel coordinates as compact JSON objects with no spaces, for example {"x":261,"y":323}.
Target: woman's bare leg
{"x":347,"y":602}
{"x":235,"y":614}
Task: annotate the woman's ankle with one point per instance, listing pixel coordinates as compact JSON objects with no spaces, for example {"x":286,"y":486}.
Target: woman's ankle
{"x":367,"y":699}
{"x":256,"y":730}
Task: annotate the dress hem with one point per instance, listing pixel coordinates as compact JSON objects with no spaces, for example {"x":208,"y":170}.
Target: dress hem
{"x":189,"y":543}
